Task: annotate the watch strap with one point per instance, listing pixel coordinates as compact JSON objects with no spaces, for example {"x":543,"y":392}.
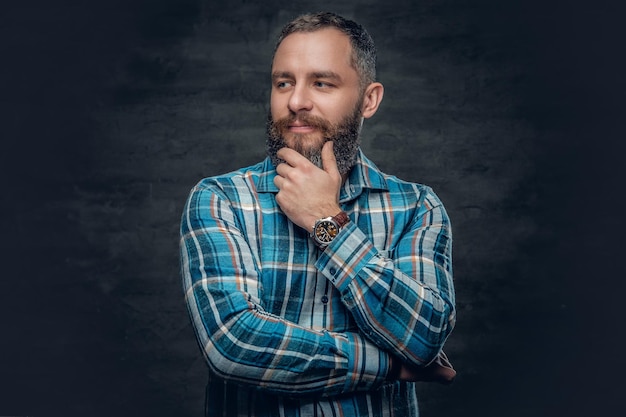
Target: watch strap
{"x":341,"y":218}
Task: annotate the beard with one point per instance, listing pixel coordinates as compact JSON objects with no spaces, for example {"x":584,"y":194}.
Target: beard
{"x":345,"y":137}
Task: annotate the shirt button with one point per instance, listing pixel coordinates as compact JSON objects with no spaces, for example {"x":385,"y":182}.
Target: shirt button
{"x":332,"y":271}
{"x":324,"y":299}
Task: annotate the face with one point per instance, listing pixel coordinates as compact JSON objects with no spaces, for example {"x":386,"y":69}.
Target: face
{"x":315,"y":97}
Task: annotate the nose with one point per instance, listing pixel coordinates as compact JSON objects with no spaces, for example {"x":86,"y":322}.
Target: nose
{"x":300,"y":99}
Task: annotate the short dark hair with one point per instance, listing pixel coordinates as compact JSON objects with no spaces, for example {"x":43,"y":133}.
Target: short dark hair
{"x":363,"y":49}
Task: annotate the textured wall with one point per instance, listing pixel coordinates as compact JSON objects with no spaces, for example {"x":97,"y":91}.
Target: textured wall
{"x":115,"y":109}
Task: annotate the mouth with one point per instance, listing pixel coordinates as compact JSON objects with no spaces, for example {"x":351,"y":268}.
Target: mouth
{"x":301,"y":128}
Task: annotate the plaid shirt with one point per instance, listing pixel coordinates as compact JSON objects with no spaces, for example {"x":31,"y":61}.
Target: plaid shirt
{"x":289,"y":329}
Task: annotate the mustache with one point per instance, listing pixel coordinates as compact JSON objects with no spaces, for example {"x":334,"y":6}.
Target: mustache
{"x":304,"y":119}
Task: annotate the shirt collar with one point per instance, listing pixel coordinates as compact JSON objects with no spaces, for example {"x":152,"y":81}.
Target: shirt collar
{"x":364,"y":175}
{"x":266,"y":179}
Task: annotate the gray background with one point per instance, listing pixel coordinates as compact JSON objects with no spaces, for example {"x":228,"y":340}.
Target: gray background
{"x":112,"y":110}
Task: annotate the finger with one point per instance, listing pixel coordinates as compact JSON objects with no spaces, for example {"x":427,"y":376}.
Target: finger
{"x":328,"y":159}
{"x":278,"y":180}
{"x":290,"y":156}
{"x":283,"y":169}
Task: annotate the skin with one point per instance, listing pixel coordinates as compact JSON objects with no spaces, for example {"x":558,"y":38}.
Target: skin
{"x":312,"y":74}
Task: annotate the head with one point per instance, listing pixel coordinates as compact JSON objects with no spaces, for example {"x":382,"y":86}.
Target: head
{"x":323,"y":86}
{"x":363,"y":51}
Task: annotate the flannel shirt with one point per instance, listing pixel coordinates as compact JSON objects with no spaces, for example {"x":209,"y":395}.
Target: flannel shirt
{"x":289,"y":329}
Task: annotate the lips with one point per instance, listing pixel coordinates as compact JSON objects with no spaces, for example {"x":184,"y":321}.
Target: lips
{"x":301,"y":124}
{"x":300,"y":128}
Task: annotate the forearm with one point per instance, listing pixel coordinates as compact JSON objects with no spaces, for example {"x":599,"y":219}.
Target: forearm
{"x":406,"y":305}
{"x":244,"y":343}
{"x":248,"y":346}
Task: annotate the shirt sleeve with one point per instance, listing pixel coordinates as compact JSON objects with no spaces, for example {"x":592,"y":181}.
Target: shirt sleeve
{"x":404,"y":303}
{"x":242,"y":342}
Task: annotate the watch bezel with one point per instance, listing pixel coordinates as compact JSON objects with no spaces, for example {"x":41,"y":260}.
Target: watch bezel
{"x":322,"y":231}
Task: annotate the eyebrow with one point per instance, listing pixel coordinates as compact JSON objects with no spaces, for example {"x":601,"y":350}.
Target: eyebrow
{"x":326,"y":74}
{"x":315,"y":74}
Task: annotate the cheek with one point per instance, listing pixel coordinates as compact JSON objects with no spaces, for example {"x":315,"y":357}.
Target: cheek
{"x":275,"y":105}
{"x":338,"y":110}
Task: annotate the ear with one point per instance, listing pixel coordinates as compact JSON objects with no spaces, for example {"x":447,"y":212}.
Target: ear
{"x":371,"y":99}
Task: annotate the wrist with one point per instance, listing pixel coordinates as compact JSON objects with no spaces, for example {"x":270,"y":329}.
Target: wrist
{"x":313,"y":217}
{"x":326,"y":229}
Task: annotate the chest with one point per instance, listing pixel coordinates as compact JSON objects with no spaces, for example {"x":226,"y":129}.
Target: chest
{"x":290,"y":284}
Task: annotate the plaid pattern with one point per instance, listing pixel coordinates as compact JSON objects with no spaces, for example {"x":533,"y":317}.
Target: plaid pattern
{"x":288,"y":329}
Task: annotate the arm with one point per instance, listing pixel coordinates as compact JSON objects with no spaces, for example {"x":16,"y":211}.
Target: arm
{"x":405,"y":305}
{"x":242,"y":342}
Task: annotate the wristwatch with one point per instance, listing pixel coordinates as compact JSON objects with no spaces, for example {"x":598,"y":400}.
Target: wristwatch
{"x":326,"y":229}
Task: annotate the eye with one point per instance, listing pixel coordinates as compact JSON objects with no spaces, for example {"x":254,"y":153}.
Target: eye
{"x":283,"y":84}
{"x":322,"y":84}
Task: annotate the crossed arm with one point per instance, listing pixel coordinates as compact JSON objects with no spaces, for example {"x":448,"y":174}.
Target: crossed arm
{"x":403,"y":307}
{"x":376,"y":289}
{"x":241,"y":341}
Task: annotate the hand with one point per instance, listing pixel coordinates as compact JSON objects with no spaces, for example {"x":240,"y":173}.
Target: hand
{"x":410,"y":373}
{"x":440,"y":370}
{"x":306,"y":192}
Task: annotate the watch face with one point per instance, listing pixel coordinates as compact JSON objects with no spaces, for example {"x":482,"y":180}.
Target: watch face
{"x":325,"y":231}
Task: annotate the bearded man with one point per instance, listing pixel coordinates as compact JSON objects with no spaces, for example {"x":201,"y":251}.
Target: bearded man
{"x":317,"y":284}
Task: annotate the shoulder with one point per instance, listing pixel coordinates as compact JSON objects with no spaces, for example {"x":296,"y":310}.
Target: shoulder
{"x":232,"y":188}
{"x":250,"y":174}
{"x":399,"y":189}
{"x":421,"y":193}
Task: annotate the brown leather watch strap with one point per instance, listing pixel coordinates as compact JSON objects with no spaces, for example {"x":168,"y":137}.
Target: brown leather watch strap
{"x":342,"y":218}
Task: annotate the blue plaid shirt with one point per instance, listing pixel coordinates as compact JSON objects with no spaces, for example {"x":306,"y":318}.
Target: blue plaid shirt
{"x":288,"y":329}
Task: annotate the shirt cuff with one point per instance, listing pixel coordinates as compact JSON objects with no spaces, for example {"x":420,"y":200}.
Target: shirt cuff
{"x":346,"y":256}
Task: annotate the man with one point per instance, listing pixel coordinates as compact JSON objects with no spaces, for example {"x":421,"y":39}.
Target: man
{"x":317,"y":285}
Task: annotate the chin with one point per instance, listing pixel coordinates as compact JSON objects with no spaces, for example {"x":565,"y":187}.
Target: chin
{"x":305,"y":143}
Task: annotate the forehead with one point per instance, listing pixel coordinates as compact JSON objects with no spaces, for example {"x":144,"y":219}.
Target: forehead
{"x":324,"y":49}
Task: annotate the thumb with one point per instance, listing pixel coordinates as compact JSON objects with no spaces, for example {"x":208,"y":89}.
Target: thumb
{"x":329,"y":163}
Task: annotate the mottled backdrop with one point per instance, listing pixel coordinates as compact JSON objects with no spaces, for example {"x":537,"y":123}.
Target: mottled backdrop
{"x":513,"y":111}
